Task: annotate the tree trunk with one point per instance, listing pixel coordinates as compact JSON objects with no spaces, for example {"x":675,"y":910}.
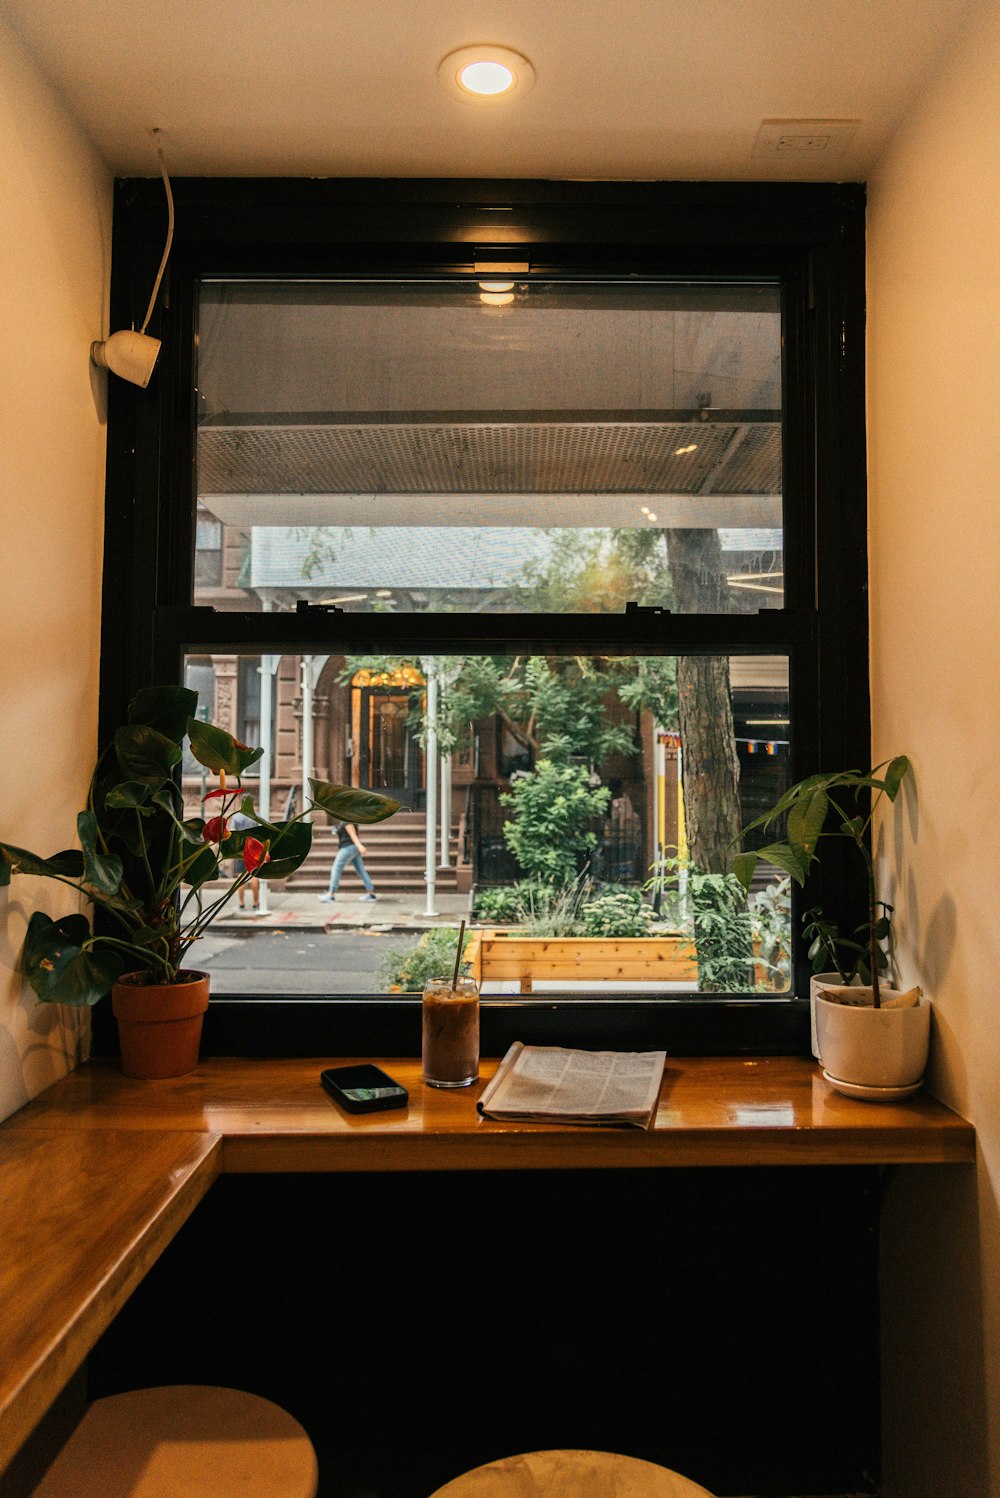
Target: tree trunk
{"x":708,"y":742}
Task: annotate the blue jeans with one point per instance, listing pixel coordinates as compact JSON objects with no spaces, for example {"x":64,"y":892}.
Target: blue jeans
{"x":349,"y":854}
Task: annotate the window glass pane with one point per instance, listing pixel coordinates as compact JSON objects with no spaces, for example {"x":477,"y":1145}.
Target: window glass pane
{"x":563,"y":446}
{"x":581,"y":808}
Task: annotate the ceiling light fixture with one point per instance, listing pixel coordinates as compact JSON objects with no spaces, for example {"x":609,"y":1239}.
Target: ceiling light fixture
{"x":691,"y":448}
{"x":129,"y":354}
{"x":485,"y":73}
{"x":496,"y":286}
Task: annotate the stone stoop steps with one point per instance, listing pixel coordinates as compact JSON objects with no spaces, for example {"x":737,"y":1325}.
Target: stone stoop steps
{"x":395,"y":858}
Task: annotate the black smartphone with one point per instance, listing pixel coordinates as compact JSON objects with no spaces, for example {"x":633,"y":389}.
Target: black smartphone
{"x":363,"y":1088}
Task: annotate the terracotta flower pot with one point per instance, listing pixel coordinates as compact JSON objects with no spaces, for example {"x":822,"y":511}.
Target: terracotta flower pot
{"x":159,"y":1024}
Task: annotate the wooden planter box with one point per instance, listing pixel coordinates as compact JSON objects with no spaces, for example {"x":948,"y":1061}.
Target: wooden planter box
{"x":505,"y":955}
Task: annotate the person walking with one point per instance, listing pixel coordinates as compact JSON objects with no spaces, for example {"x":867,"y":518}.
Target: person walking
{"x":351,"y":850}
{"x":240,"y":822}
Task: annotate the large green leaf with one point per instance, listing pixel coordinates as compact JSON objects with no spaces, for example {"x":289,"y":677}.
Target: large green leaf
{"x":791,"y":860}
{"x":127,"y":795}
{"x":58,"y":969}
{"x":218,"y":750}
{"x":102,"y":871}
{"x":289,"y":847}
{"x":202,"y":868}
{"x":894,"y":774}
{"x":349,"y":804}
{"x":167,"y":709}
{"x":66,"y":865}
{"x":146,"y":754}
{"x":806,"y":818}
{"x":744,"y":865}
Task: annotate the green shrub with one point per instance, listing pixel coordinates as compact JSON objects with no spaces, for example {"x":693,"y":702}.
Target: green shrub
{"x":618,"y":913}
{"x":500,"y":904}
{"x":576,"y":909}
{"x":432,"y":957}
{"x":556,"y":816}
{"x":771,"y":917}
{"x":713,"y":908}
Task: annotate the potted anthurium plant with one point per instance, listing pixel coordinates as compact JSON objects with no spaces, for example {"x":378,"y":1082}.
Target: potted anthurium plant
{"x":871,"y":1038}
{"x":154,"y":874}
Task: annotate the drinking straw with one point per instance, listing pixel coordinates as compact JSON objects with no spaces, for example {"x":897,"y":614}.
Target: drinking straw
{"x":458,"y":957}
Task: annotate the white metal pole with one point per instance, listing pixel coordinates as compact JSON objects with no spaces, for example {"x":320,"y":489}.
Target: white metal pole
{"x":657,"y":792}
{"x":445,"y":812}
{"x":268,"y":664}
{"x":307,"y":732}
{"x":430,"y":833}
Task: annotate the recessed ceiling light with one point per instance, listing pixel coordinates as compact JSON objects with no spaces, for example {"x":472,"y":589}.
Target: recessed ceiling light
{"x":691,"y":447}
{"x":483,"y":74}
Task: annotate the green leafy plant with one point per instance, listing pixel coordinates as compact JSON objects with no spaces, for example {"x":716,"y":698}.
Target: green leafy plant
{"x":552,"y":910}
{"x":579,"y":908}
{"x":771,"y":923}
{"x":616,"y":914}
{"x":145,"y":865}
{"x":498,"y":904}
{"x":852,"y":799}
{"x":432,"y":957}
{"x":556,"y":814}
{"x":848,"y":956}
{"x":719,"y":921}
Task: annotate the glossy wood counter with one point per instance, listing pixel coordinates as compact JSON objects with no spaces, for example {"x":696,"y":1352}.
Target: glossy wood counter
{"x":274,"y":1115}
{"x":82,"y":1218}
{"x":99,"y":1172}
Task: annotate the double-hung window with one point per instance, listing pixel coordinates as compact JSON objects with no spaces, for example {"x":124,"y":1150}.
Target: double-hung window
{"x":540,"y":508}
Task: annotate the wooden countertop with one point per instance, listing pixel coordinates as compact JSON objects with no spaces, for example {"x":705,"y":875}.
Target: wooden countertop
{"x":88,"y":1199}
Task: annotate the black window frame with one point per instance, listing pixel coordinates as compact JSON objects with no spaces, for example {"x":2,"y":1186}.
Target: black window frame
{"x":808,"y":236}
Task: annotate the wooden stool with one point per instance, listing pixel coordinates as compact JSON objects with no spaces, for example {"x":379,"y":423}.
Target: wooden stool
{"x":571,"y":1474}
{"x":184,"y":1441}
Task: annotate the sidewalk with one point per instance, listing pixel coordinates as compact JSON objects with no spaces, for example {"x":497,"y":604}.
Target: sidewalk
{"x":399,"y":909}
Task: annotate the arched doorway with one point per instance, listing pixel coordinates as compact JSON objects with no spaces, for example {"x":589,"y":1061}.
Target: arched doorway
{"x":387,"y":753}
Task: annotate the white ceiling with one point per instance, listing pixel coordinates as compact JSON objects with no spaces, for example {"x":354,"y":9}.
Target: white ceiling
{"x":625,"y":88}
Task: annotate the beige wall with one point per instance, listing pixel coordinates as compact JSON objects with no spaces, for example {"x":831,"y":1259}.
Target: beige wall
{"x":934,"y":435}
{"x":55,"y":223}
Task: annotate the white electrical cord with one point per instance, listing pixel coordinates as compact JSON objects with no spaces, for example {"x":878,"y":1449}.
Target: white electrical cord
{"x":170,"y":232}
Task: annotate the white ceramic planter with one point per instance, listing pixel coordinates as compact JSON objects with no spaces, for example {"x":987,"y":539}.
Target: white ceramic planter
{"x":873,"y":1047}
{"x":816,"y":981}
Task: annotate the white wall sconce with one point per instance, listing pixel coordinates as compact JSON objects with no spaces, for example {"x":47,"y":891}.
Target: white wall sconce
{"x":131,"y":355}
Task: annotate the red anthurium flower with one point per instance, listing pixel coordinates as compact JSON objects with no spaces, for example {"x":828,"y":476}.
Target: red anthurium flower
{"x":214,"y":795}
{"x":216,"y":830}
{"x":254,"y":853}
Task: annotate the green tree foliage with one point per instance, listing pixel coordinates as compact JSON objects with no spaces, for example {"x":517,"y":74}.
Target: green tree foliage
{"x":595,"y":572}
{"x":650,"y":682}
{"x":556,"y":816}
{"x":554,"y":706}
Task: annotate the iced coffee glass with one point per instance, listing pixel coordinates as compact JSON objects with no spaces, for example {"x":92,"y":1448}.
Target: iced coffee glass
{"x":450,"y":1049}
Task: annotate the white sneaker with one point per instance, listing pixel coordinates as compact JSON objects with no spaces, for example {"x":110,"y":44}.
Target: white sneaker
{"x":324,"y":897}
{"x":369,"y":897}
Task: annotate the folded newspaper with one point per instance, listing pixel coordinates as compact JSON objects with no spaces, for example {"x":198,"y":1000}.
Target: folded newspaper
{"x":549,"y":1083}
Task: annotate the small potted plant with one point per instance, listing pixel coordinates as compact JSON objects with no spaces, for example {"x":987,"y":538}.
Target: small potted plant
{"x":868,"y":1035}
{"x":154,"y":874}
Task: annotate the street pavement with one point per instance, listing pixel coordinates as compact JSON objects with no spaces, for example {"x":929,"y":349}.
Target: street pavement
{"x":303,"y":910}
{"x":305,"y":946}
